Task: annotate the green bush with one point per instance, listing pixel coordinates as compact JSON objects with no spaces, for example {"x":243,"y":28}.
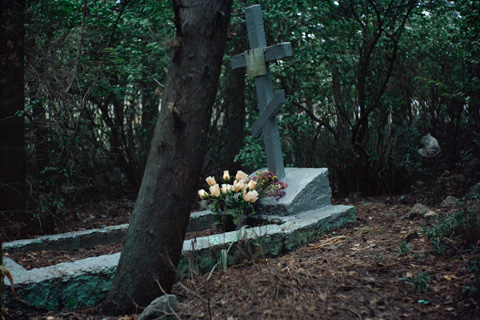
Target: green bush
{"x":405,"y":247}
{"x":473,"y":266}
{"x":419,"y":283}
{"x":252,"y":156}
{"x":463,"y":224}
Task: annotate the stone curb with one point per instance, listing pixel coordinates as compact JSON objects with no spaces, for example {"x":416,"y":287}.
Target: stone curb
{"x":90,"y":238}
{"x":85,"y":282}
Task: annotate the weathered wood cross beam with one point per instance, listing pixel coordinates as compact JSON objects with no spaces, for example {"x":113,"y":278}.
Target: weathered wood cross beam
{"x":256,"y":62}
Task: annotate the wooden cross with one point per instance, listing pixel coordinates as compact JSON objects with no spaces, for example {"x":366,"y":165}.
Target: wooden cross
{"x":256,"y":61}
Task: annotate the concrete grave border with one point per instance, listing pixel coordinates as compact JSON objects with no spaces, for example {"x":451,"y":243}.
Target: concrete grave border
{"x":86,"y":282}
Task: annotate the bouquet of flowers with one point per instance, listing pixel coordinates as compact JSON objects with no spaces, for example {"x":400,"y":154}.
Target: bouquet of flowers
{"x":234,"y":199}
{"x":268,"y":185}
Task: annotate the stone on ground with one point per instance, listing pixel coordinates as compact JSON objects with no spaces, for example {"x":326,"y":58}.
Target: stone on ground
{"x":420,"y":210}
{"x":162,"y":308}
{"x":448,"y":201}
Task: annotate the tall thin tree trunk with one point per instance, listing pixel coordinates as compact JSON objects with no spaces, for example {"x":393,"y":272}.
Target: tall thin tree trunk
{"x":236,"y":103}
{"x":154,"y":241}
{"x":12,"y":125}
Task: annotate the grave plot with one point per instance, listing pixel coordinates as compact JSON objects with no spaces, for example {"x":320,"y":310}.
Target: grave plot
{"x":303,"y":214}
{"x":32,"y":257}
{"x":86,"y":243}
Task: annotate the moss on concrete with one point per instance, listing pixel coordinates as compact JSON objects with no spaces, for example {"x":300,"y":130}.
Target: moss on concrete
{"x":85,"y":290}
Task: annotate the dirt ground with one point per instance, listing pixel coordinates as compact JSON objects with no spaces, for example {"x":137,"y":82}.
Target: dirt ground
{"x":381,"y":267}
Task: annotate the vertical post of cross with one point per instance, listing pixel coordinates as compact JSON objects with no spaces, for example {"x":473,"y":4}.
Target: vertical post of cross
{"x":256,"y":62}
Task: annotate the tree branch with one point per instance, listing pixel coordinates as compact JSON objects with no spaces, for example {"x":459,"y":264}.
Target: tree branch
{"x":315,"y":118}
{"x":112,"y":34}
{"x":80,"y":45}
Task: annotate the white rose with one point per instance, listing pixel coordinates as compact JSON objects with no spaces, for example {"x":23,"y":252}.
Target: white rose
{"x":252,"y":184}
{"x":215,"y":190}
{"x":226,"y":175}
{"x":226,"y":188}
{"x":253,"y":196}
{"x":202,"y":194}
{"x":239,"y":186}
{"x":244,"y":185}
{"x":211,"y":181}
{"x":235,"y":188}
{"x":241,"y":175}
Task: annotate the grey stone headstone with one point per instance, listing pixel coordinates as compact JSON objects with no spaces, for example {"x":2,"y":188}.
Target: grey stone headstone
{"x":308,"y":189}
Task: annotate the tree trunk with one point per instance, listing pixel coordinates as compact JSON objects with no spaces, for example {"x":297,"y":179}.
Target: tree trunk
{"x":149,"y":117}
{"x":236,"y":103}
{"x":12,"y":125}
{"x":153,"y":245}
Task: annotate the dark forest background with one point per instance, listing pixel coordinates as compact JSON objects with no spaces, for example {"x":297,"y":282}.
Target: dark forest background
{"x":367,"y":81}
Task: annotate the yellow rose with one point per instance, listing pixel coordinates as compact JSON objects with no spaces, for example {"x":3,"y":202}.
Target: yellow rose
{"x":241,"y":175}
{"x":202,"y":194}
{"x":215,"y":191}
{"x":252,"y":184}
{"x":211,"y":181}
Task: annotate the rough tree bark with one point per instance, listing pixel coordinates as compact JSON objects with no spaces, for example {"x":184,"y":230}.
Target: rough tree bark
{"x":153,"y":244}
{"x":12,"y":127}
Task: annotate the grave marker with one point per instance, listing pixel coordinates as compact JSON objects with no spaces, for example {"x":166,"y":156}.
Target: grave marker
{"x":256,"y":62}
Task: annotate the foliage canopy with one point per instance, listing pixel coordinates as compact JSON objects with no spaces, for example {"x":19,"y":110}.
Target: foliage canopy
{"x":368,"y":79}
